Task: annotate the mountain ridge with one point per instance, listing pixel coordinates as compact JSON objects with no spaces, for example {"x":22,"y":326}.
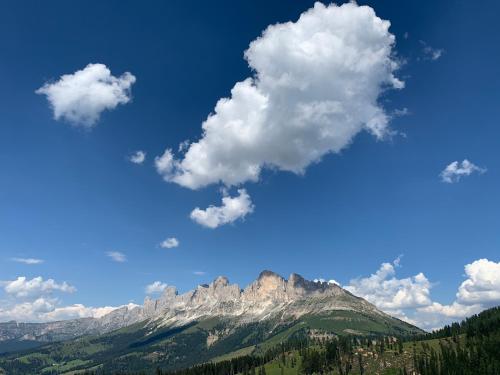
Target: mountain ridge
{"x":179,"y":330}
{"x":267,"y":295}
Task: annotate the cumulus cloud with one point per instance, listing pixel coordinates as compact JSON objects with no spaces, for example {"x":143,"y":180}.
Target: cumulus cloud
{"x":47,"y":310}
{"x":410,"y":298}
{"x":137,"y":157}
{"x":156,"y":287}
{"x":316,"y":84}
{"x":456,"y":170}
{"x":482,"y":285}
{"x":37,"y":300}
{"x":116,"y":256}
{"x":388,"y":292}
{"x":479,"y":291}
{"x":22,"y":287}
{"x":28,"y":260}
{"x":170,"y":243}
{"x":81,"y":97}
{"x":232,"y":209}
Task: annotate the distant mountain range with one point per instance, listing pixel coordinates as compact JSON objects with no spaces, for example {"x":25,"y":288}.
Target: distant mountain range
{"x":179,"y":330}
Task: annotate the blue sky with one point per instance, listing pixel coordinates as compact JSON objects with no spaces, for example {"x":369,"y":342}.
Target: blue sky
{"x":70,"y":195}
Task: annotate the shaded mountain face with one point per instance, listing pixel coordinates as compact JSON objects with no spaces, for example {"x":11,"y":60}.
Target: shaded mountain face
{"x":270,"y":296}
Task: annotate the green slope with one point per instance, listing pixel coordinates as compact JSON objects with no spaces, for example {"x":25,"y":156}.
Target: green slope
{"x":136,"y":348}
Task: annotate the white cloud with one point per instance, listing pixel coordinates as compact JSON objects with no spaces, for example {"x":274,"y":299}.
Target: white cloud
{"x":35,"y":301}
{"x":27,"y":311}
{"x":390,"y":293}
{"x":137,"y":157}
{"x":81,"y":97}
{"x":316,"y":84}
{"x":46,"y":310}
{"x":410,"y":298}
{"x":482,"y":285}
{"x":116,"y":256}
{"x":456,"y":170}
{"x":231,"y":210}
{"x":28,"y":260}
{"x":156,"y":287}
{"x":199,"y":273}
{"x":431,"y":53}
{"x":170,"y":243}
{"x":22,"y":287}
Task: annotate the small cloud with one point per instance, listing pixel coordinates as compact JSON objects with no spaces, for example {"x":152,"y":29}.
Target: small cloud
{"x":199,"y":273}
{"x":28,"y":260}
{"x":116,"y":256}
{"x":81,"y":97}
{"x":456,"y":170}
{"x":231,"y":210}
{"x":406,"y":35}
{"x":431,"y":53}
{"x":400,"y":112}
{"x":170,"y":243}
{"x":156,"y":287}
{"x":137,"y":157}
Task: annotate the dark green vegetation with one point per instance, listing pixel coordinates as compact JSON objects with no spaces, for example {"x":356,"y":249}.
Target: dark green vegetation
{"x":471,"y":347}
{"x":9,"y":346}
{"x":143,"y":347}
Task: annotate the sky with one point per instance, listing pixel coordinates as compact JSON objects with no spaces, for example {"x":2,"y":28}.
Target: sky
{"x":166,"y":143}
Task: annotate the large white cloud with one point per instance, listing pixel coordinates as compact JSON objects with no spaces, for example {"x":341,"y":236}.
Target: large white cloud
{"x":316,"y":84}
{"x":48,"y":310}
{"x":22,"y":287}
{"x":389,"y":293}
{"x":36,"y":300}
{"x":482,"y":285}
{"x":81,"y":97}
{"x":232,"y":209}
{"x":456,"y":170}
{"x":410,"y":298}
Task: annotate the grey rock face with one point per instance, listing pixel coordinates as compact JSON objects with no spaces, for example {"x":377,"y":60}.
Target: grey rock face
{"x":269,"y":296}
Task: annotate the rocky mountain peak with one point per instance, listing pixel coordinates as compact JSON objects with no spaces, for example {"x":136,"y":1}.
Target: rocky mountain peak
{"x":295,"y":280}
{"x":268,"y":274}
{"x":220,"y":281}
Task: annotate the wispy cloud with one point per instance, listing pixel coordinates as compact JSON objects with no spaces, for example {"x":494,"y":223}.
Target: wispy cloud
{"x":199,"y":273}
{"x":27,"y":260}
{"x":116,"y":256}
{"x":431,"y":53}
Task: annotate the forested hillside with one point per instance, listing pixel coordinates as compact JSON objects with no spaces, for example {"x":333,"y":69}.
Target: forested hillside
{"x":469,"y":347}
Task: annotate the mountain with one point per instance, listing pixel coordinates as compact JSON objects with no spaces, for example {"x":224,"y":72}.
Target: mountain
{"x":467,"y":348}
{"x":178,"y":330}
